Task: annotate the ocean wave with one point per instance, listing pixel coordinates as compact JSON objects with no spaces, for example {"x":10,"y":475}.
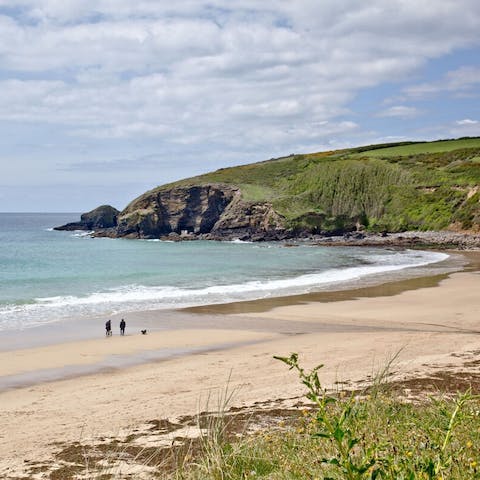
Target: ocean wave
{"x":135,"y":297}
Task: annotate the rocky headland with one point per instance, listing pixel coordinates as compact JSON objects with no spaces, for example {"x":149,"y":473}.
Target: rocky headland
{"x":408,"y":194}
{"x":212,"y":211}
{"x":217,"y":212}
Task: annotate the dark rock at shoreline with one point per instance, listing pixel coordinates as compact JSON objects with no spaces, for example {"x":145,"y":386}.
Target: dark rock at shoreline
{"x":103,"y":217}
{"x":431,"y":239}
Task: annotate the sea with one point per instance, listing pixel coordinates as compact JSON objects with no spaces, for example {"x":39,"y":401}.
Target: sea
{"x":49,"y":276}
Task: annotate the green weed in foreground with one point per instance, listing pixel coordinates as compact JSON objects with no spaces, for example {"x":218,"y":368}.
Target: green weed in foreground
{"x":335,"y":425}
{"x":359,"y":453}
{"x":376,"y":436}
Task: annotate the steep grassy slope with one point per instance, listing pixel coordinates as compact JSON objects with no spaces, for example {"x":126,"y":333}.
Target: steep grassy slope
{"x":394,"y":187}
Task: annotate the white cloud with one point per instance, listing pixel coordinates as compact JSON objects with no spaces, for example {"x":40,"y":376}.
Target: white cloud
{"x":461,"y":81}
{"x":400,"y":111}
{"x":465,"y":129}
{"x":467,"y":121}
{"x":276,"y":108}
{"x":221,"y":78}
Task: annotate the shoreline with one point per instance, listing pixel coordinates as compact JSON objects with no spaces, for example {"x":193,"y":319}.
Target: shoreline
{"x":382,"y":285}
{"x":235,"y":315}
{"x":432,"y":322}
{"x":90,"y":326}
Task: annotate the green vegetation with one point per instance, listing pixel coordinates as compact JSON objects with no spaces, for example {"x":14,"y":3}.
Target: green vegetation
{"x":372,"y":435}
{"x":369,"y":434}
{"x":391,"y":187}
{"x":424,"y":147}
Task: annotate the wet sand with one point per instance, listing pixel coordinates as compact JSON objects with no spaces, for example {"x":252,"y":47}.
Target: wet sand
{"x":430,"y":323}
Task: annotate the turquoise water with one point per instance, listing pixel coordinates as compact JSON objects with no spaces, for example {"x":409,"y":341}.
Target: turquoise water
{"x":47,"y":275}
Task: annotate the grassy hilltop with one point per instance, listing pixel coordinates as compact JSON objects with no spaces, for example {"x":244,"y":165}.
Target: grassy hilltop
{"x":389,"y":187}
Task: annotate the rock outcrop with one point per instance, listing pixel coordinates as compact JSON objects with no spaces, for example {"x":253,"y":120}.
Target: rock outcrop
{"x":249,"y":221}
{"x":189,"y":210}
{"x":211,"y":211}
{"x":102,"y":217}
{"x":199,"y":211}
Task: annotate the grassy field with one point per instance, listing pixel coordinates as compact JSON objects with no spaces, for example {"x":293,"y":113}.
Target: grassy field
{"x":426,"y":147}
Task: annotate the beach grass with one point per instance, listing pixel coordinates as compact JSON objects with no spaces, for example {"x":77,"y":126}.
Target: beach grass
{"x":396,"y":440}
{"x":362,"y":435}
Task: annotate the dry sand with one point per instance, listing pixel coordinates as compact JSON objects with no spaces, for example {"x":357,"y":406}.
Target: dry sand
{"x":432,"y":327}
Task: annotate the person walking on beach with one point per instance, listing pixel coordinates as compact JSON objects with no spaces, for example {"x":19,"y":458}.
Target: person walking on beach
{"x":108,"y":328}
{"x":122,"y":327}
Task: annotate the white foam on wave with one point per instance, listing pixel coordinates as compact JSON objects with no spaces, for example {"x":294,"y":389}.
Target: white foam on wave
{"x":134,"y":297}
{"x":140,"y":293}
{"x":237,"y":240}
{"x":158,"y":240}
{"x":81,"y":233}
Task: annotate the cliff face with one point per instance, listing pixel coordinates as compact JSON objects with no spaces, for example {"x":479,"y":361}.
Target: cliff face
{"x":208,"y":211}
{"x":193,"y":209}
{"x":247,"y":220}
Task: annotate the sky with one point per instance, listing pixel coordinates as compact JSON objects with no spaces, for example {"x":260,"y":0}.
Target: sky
{"x":101,"y":100}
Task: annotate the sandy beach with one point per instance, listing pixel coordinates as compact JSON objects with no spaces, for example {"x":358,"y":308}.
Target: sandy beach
{"x":85,"y":390}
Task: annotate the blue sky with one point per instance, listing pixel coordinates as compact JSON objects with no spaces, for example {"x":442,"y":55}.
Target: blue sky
{"x":101,"y":100}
